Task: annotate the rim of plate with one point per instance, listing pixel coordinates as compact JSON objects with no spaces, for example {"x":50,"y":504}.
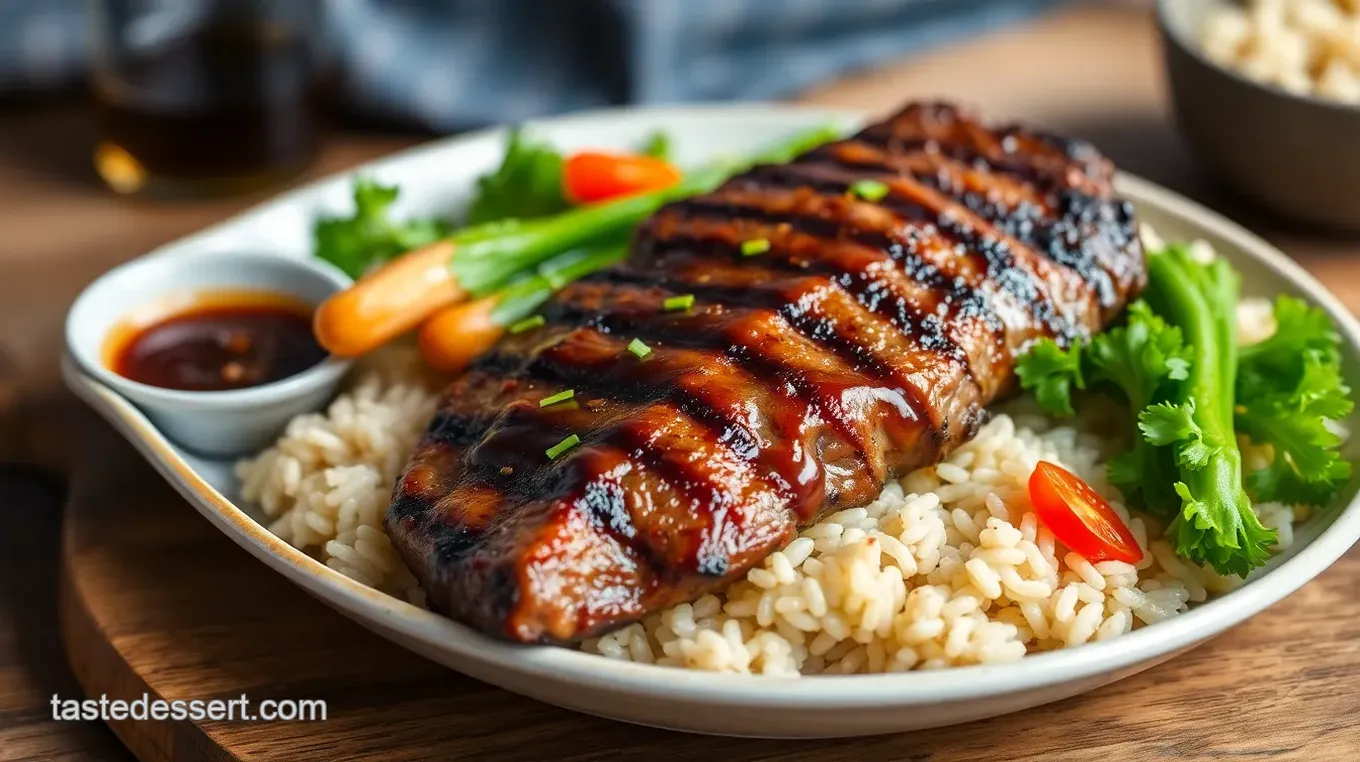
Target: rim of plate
{"x":735,"y":111}
{"x":560,"y":664}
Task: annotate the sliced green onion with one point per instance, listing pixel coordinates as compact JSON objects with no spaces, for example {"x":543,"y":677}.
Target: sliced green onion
{"x":556,"y":398}
{"x":755,"y":246}
{"x":563,"y":446}
{"x":869,"y":190}
{"x":638,"y":348}
{"x":528,"y":324}
{"x":523,"y":297}
{"x":682,"y":302}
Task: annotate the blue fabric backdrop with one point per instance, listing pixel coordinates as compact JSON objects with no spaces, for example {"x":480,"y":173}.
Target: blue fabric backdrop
{"x":450,"y":64}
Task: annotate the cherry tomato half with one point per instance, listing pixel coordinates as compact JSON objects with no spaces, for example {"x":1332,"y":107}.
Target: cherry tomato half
{"x":590,"y":177}
{"x":1079,"y":517}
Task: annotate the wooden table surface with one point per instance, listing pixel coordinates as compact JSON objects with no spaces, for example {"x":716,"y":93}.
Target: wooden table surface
{"x":1092,"y":72}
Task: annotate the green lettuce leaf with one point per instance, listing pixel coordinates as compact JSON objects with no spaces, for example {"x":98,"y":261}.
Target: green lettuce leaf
{"x":369,"y":236}
{"x":527,"y":184}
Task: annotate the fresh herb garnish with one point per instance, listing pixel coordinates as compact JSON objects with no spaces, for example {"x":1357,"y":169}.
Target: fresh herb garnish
{"x":658,"y":145}
{"x":527,"y":324}
{"x":755,"y":246}
{"x":563,"y":446}
{"x":369,"y":236}
{"x":638,"y":348}
{"x":677,"y":303}
{"x":1288,"y":388}
{"x":1193,"y":390}
{"x":527,"y":184}
{"x":869,"y":190}
{"x":556,"y":398}
{"x":1138,"y":360}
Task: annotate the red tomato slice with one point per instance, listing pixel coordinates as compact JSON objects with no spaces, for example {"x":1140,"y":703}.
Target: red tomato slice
{"x":1079,"y":517}
{"x":590,"y":177}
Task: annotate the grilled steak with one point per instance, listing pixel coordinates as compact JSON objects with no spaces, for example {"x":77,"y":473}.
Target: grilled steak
{"x":837,"y":339}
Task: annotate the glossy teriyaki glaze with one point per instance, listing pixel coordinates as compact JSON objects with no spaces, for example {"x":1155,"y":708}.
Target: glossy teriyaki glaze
{"x":218,"y":342}
{"x":837,"y":339}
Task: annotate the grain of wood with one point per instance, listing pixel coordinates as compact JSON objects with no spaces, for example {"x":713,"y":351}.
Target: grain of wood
{"x":32,"y":663}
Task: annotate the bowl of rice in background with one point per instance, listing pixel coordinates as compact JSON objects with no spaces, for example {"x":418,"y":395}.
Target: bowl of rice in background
{"x":1268,"y":94}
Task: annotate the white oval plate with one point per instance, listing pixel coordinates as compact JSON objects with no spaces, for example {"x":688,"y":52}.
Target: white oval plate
{"x":437,"y":178}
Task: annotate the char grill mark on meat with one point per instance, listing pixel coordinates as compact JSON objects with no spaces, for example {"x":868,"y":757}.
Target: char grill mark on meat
{"x":862,"y":343}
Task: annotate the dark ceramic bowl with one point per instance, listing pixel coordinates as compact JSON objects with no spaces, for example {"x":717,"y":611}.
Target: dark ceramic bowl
{"x":1296,"y":155}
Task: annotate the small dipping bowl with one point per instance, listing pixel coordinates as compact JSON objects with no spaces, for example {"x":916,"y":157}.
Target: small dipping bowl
{"x":213,"y":423}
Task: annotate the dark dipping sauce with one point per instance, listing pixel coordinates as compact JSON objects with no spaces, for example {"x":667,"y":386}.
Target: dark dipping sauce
{"x":221,"y":345}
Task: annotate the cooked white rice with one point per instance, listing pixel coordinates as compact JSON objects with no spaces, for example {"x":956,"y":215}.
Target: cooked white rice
{"x":1302,"y":46}
{"x":326,"y":483}
{"x":947,"y":567}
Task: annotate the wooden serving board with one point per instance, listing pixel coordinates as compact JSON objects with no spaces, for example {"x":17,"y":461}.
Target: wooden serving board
{"x":155,"y":600}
